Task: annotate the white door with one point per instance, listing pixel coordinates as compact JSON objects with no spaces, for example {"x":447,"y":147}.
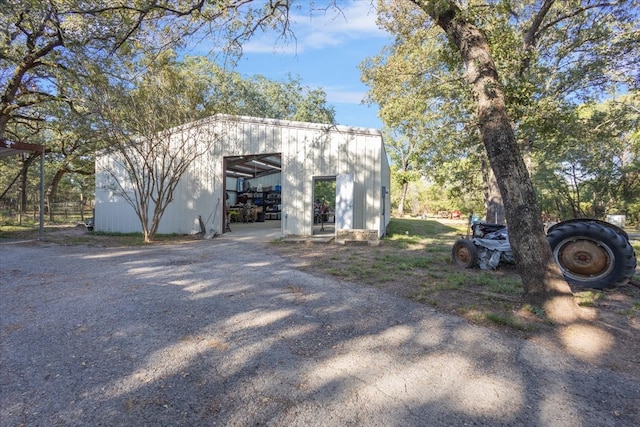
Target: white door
{"x":344,"y":201}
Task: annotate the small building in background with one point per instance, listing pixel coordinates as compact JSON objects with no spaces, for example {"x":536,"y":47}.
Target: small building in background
{"x":276,"y":164}
{"x":616,"y":220}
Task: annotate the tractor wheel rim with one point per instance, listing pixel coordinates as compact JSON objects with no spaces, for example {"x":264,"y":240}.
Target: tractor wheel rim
{"x":584,"y":258}
{"x":463,"y":255}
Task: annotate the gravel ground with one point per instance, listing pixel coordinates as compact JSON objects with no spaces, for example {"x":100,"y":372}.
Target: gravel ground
{"x":223,"y":332}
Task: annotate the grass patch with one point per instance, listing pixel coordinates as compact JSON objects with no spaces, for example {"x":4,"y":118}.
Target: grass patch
{"x":437,"y":248}
{"x":437,"y":274}
{"x":537,"y":311}
{"x":403,"y":261}
{"x":632,"y":311}
{"x":501,"y":285}
{"x":337,"y":272}
{"x":505,"y":320}
{"x":78,"y":235}
{"x":588,"y":298}
{"x":455,"y":280}
{"x":14,"y":231}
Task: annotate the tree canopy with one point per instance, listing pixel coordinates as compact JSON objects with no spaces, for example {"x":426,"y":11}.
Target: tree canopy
{"x":550,"y":66}
{"x":57,"y":58}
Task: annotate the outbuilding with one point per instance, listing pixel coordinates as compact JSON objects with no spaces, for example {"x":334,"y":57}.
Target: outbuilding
{"x":265,"y":170}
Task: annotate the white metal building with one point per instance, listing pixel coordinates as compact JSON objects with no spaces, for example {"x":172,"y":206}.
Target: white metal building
{"x":270,"y":154}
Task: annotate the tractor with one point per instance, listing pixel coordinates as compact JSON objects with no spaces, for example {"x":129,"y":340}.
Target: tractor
{"x":590,"y":253}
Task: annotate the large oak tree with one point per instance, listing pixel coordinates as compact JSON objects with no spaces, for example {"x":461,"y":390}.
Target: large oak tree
{"x":542,"y":280}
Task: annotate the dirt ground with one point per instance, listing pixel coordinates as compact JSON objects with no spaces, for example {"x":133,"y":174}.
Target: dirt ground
{"x":103,"y":331}
{"x":609,"y":337}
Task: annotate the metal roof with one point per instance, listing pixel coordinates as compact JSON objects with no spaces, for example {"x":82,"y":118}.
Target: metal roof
{"x":219,"y":117}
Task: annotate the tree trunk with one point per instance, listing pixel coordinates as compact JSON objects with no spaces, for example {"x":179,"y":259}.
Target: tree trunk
{"x":403,"y":197}
{"x":494,"y":206}
{"x":53,"y":191}
{"x":24,"y":175}
{"x":144,"y":221}
{"x":543,"y":282}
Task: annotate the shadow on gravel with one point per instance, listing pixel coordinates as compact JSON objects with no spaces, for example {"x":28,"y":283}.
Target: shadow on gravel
{"x":223,"y":332}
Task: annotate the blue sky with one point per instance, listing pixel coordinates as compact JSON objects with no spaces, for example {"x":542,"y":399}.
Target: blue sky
{"x":326,"y":52}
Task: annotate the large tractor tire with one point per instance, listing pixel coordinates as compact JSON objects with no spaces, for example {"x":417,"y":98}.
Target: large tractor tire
{"x":592,"y":254}
{"x":464,"y":253}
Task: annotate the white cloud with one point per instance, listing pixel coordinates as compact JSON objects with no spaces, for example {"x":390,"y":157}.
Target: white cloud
{"x":357,"y":17}
{"x":264,"y":45}
{"x":321,"y":29}
{"x":318,"y":40}
{"x":342,"y":95}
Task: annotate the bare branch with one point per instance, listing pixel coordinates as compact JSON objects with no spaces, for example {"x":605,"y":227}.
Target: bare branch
{"x":576,"y":12}
{"x":531,"y":36}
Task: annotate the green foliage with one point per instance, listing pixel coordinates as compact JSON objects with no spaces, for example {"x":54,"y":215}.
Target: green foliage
{"x":456,"y":280}
{"x":226,"y":91}
{"x":325,"y":190}
{"x":577,"y":136}
{"x":594,"y":170}
{"x":429,"y":198}
{"x":58,"y":55}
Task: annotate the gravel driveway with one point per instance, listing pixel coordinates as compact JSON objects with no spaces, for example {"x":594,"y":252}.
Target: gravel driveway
{"x":223,"y":332}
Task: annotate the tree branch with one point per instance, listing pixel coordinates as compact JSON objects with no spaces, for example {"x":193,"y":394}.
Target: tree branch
{"x":530,"y":39}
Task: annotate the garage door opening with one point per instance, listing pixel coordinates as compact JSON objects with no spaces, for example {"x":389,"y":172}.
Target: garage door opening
{"x":252,"y":196}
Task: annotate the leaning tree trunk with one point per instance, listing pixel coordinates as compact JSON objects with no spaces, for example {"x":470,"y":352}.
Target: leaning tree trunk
{"x":543,"y":282}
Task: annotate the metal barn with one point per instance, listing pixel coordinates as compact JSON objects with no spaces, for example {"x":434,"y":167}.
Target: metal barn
{"x":274,"y":162}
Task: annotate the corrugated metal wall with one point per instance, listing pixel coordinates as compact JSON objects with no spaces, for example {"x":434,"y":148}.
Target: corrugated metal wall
{"x":307,"y":150}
